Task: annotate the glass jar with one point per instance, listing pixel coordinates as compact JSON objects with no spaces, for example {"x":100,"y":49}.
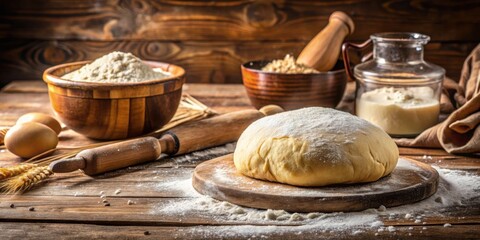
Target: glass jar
{"x":397,"y":90}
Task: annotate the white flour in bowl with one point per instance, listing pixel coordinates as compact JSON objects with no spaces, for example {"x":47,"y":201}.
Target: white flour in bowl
{"x":116,"y":67}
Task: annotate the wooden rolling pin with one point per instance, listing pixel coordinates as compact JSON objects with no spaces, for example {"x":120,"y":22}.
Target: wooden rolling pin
{"x":323,"y":50}
{"x":179,"y":140}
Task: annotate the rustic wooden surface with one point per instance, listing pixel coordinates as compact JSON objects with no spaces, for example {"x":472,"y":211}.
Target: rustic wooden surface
{"x":67,"y":206}
{"x":233,"y":20}
{"x":212,"y":38}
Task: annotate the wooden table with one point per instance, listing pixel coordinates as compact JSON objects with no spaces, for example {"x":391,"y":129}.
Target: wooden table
{"x":69,"y":206}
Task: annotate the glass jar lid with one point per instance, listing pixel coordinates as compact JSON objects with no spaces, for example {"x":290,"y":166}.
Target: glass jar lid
{"x":398,"y":59}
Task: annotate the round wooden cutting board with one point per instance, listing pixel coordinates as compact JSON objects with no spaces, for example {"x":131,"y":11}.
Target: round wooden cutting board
{"x":411,"y":181}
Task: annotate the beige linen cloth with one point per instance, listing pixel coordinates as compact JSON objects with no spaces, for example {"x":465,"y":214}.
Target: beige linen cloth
{"x":460,"y":132}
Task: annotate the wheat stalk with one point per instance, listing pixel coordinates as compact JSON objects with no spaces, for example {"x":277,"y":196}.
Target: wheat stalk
{"x":8,"y":172}
{"x":26,"y":180}
{"x":3,"y":132}
{"x":22,"y":177}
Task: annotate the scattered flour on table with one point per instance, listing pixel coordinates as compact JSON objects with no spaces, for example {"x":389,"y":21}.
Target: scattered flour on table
{"x":455,"y":188}
{"x":203,"y":155}
{"x":184,"y":186}
{"x":181,"y":185}
{"x":116,"y":67}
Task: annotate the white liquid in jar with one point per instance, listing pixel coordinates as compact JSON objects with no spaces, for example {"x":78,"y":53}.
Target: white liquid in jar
{"x":399,"y":111}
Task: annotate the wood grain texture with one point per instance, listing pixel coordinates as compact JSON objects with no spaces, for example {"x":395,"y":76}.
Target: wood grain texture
{"x":207,"y":62}
{"x":212,"y":38}
{"x":22,"y":230}
{"x":444,"y":20}
{"x":204,"y":62}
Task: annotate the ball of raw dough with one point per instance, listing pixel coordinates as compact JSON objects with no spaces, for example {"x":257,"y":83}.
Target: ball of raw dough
{"x":315,"y":147}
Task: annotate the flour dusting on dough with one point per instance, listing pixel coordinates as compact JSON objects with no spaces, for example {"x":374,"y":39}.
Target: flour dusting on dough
{"x":315,"y":147}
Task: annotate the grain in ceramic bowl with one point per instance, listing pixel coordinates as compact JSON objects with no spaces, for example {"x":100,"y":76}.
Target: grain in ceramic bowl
{"x":110,"y":111}
{"x":293,"y":91}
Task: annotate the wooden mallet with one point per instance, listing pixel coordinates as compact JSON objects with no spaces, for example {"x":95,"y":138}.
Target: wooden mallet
{"x":322,"y":52}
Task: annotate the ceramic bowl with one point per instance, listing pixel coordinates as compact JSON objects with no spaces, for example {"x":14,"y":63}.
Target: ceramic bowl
{"x":293,"y":91}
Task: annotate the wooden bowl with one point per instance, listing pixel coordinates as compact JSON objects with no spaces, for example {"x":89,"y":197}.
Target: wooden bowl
{"x":293,"y":91}
{"x":114,"y":110}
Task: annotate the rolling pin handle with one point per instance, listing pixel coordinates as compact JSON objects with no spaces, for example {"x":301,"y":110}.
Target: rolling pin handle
{"x":67,"y":165}
{"x":169,"y":143}
{"x":271,"y":109}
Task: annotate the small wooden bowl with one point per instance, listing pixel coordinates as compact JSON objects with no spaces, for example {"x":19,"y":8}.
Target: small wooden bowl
{"x":114,"y":110}
{"x":293,"y":91}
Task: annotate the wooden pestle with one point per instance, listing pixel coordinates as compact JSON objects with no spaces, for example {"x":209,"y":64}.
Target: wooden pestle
{"x":179,"y":140}
{"x":322,"y":52}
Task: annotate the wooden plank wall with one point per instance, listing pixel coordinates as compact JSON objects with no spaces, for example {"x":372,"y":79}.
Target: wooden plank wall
{"x":212,"y":38}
